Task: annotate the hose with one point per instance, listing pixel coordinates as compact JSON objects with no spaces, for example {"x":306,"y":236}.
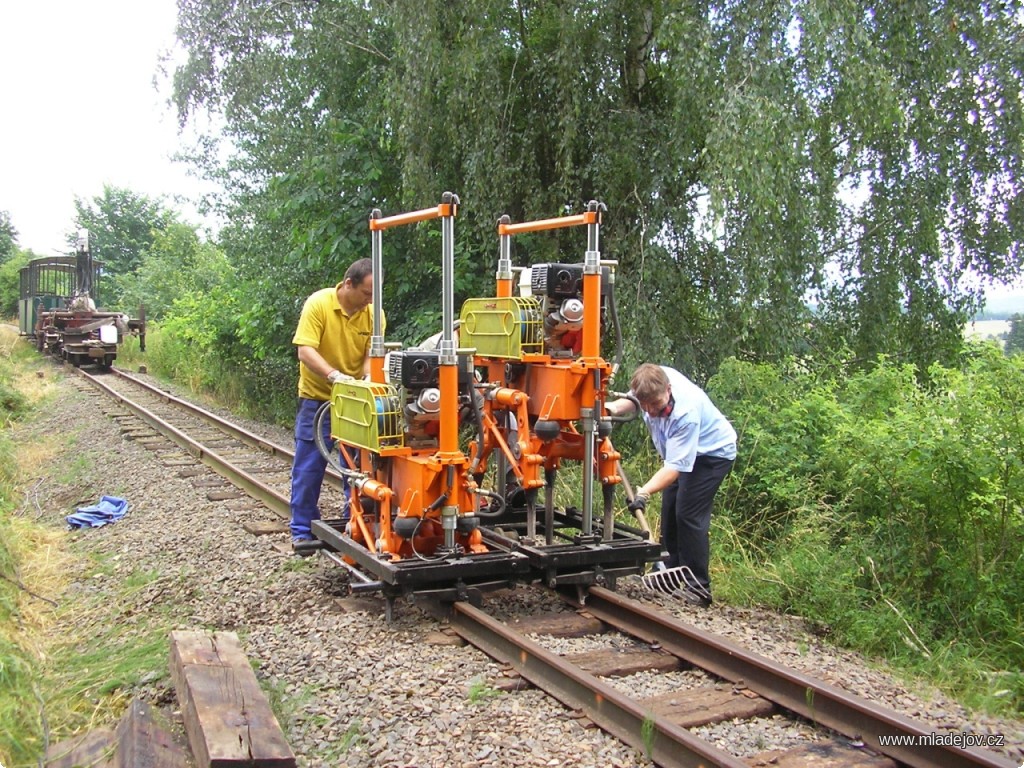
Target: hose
{"x":492,"y":495}
{"x":479,"y":420}
{"x":327,"y":451}
{"x":624,"y":419}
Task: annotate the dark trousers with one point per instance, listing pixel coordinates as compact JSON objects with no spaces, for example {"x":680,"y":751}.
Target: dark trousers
{"x":686,"y":515}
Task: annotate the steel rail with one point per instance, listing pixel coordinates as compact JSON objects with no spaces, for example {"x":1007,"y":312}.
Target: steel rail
{"x":663,"y":742}
{"x":249,"y":438}
{"x":918,"y":745}
{"x":275,"y":501}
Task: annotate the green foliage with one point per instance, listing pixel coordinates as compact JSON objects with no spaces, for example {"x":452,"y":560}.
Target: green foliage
{"x":8,"y":237}
{"x":886,"y":509}
{"x":13,"y":406}
{"x":182,"y":345}
{"x":175,"y":265}
{"x":480,"y":692}
{"x":123,"y":225}
{"x":19,"y":708}
{"x":10,"y":286}
{"x":752,"y":155}
{"x":197,"y":343}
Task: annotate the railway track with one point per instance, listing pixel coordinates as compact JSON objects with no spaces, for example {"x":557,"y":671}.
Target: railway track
{"x":726,"y":684}
{"x":257,"y":466}
{"x":734,"y":685}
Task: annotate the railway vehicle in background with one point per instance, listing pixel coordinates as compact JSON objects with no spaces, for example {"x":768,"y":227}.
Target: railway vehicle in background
{"x":57,"y":308}
{"x":447,"y":449}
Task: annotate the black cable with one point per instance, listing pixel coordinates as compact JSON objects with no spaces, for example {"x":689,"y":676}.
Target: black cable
{"x":327,"y":451}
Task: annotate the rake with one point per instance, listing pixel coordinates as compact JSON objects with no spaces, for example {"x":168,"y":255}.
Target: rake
{"x":677,"y":582}
{"x":674,"y":581}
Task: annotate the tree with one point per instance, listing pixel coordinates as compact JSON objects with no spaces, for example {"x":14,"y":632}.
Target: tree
{"x":1015,"y":336}
{"x":753,"y":155}
{"x":10,"y":280}
{"x":8,"y":237}
{"x":177,"y":263}
{"x":122,"y":226}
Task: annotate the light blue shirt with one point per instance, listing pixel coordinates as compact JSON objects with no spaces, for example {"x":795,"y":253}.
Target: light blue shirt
{"x":694,"y":428}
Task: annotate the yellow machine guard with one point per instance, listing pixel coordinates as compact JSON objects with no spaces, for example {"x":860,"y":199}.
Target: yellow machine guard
{"x":367,"y":415}
{"x":506,"y":327}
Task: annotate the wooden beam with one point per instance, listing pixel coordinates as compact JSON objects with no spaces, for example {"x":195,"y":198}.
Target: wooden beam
{"x":562,"y":624}
{"x":95,"y":748}
{"x":702,"y":706}
{"x":622,"y":663}
{"x":227,"y":718}
{"x":144,"y":741}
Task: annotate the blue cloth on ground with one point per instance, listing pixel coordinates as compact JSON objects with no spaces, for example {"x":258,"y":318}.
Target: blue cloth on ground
{"x":109,"y":510}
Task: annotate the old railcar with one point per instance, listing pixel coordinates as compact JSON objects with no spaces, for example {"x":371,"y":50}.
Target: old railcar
{"x":57,"y":302}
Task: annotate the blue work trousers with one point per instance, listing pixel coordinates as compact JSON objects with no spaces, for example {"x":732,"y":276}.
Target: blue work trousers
{"x":308,"y":469}
{"x":686,"y":515}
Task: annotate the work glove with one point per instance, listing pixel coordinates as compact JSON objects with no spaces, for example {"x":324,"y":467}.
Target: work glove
{"x":335,"y":376}
{"x":639,"y":502}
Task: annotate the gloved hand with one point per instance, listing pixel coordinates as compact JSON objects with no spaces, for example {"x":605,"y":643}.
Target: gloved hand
{"x":639,"y":502}
{"x":335,"y":376}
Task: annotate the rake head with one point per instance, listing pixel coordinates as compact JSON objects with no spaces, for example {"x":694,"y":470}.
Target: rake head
{"x":677,"y":582}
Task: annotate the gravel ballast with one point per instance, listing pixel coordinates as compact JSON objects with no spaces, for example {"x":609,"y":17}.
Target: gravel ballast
{"x":350,"y":689}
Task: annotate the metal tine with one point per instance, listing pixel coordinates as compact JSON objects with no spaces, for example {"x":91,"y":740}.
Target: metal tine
{"x":692,"y":584}
{"x":669,"y":580}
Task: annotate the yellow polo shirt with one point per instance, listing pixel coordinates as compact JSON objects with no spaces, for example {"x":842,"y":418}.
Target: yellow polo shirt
{"x":342,"y":340}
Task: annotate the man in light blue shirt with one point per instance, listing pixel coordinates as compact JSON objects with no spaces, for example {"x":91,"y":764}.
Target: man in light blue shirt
{"x":698,"y":446}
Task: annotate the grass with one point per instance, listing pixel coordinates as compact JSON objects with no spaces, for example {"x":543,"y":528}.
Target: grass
{"x":32,"y":560}
{"x":804,"y":579}
{"x":480,"y":692}
{"x":352,"y":738}
{"x":67,"y":661}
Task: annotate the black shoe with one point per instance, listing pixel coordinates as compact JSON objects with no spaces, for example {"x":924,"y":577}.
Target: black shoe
{"x":305,"y":546}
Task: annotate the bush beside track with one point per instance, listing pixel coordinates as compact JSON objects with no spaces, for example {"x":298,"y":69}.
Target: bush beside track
{"x":887,"y":510}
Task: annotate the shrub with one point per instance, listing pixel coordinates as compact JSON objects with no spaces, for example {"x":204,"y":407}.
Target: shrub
{"x":888,"y":509}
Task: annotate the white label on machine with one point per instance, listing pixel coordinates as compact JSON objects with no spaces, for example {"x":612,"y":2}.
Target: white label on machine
{"x":108,"y":334}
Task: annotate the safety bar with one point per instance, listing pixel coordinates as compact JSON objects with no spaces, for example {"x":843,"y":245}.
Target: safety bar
{"x":590,"y":217}
{"x":437,"y":212}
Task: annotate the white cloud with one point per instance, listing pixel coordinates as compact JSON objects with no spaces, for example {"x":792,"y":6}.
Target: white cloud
{"x":80,"y":110}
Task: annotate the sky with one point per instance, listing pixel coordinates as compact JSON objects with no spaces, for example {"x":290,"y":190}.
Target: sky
{"x":78,"y":109}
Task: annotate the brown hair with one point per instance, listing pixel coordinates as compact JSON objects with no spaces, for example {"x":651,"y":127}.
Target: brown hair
{"x":358,"y":270}
{"x":649,"y":382}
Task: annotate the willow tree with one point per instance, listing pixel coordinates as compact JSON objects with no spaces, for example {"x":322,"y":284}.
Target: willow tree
{"x":758,"y":159}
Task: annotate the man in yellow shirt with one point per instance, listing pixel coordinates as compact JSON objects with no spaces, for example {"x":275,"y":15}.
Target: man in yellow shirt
{"x":333,"y":340}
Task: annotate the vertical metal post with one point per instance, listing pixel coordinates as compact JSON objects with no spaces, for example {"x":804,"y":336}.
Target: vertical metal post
{"x":447,"y":357}
{"x":447,"y":344}
{"x":503,"y":280}
{"x":591,"y":351}
{"x":377,"y":265}
{"x":503,"y":276}
{"x":83,"y":265}
{"x":589,"y":430}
